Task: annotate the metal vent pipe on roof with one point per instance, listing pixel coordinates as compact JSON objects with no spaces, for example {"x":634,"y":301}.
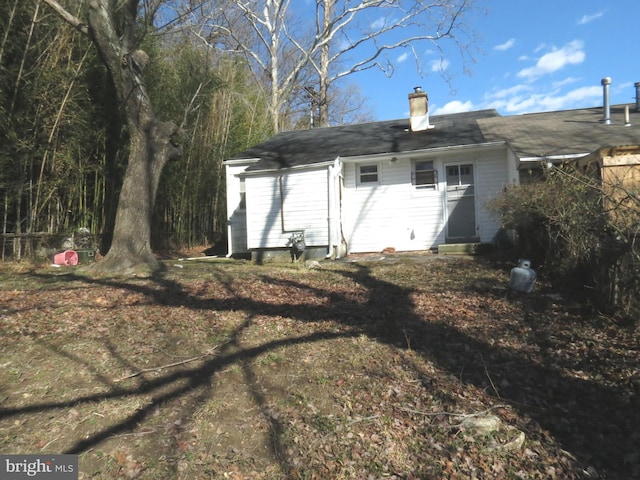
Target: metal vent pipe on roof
{"x":605,"y":82}
{"x":637,"y":85}
{"x":627,"y":120}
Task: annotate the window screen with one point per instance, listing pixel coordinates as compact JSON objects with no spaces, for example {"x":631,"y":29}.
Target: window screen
{"x":368,"y":173}
{"x":424,"y":175}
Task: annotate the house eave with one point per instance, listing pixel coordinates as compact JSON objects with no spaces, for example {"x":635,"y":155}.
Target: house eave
{"x":241,"y":161}
{"x":295,"y":168}
{"x":528,"y":162}
{"x":424,"y":152}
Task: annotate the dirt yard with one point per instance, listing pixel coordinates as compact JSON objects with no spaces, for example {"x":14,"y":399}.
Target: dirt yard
{"x":363,"y":369}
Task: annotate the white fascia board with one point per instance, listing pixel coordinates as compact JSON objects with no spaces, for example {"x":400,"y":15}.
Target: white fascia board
{"x":241,"y":161}
{"x":311,"y":166}
{"x":551,"y":158}
{"x":423,"y":152}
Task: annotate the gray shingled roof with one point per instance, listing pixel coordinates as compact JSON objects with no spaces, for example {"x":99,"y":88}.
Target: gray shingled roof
{"x":545,"y":134}
{"x":566,"y":132}
{"x":306,"y":147}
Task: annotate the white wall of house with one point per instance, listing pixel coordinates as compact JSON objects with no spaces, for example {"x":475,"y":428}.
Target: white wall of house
{"x":236,"y":213}
{"x":279,"y":205}
{"x":395,"y":213}
{"x":330,"y":204}
{"x":390,"y":213}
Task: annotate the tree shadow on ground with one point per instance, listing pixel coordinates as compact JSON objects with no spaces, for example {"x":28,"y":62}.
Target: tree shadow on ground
{"x":596,"y":423}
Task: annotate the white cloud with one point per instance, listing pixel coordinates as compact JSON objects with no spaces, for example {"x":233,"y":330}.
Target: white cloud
{"x":506,"y":45}
{"x":542,"y":96}
{"x":566,"y":81}
{"x":524,"y":99}
{"x":571,"y":99}
{"x":516,"y":99}
{"x":571,"y":54}
{"x":508,"y":92}
{"x":378,"y":24}
{"x":589,"y":18}
{"x":455,"y":106}
{"x":519,"y":105}
{"x":439,"y":65}
{"x":402,"y":57}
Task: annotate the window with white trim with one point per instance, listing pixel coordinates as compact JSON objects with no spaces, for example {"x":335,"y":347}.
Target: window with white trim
{"x":368,"y":174}
{"x":424,"y":175}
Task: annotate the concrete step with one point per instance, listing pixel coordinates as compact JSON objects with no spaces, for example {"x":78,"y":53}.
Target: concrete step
{"x":474,"y":248}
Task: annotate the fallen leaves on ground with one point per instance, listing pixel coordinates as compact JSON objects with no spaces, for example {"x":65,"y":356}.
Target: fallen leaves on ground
{"x":397,"y":369}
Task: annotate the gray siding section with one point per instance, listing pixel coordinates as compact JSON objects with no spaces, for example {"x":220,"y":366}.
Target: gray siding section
{"x":492,"y":175}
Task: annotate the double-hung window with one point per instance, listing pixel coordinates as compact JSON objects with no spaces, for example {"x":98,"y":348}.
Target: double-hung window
{"x":368,"y":174}
{"x":424,"y":175}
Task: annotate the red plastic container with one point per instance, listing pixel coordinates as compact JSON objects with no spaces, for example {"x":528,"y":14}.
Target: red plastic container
{"x":68,"y":257}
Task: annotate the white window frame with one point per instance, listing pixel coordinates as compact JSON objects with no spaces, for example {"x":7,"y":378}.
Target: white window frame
{"x":414,"y":175}
{"x":360,"y":174}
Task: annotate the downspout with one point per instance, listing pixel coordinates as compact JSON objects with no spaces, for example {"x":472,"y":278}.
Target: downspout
{"x":281,"y":204}
{"x":229,"y":234}
{"x":340,"y":240}
{"x":335,"y":218}
{"x":229,"y":241}
{"x":330,"y":209}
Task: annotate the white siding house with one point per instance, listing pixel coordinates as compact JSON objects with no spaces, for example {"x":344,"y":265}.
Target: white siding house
{"x":398,"y":211}
{"x":408,"y":185}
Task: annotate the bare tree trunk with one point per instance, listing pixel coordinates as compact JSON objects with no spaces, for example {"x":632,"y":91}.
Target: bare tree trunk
{"x":323,"y":100}
{"x":151,"y":141}
{"x":275,"y":90}
{"x":131,"y":245}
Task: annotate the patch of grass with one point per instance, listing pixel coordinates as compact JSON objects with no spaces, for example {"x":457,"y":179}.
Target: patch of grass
{"x":272,"y":359}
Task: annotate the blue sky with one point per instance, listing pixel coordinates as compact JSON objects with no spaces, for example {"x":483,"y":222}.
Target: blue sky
{"x":535,"y":55}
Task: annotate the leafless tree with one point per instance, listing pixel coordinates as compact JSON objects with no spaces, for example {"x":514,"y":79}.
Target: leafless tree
{"x":341,"y":38}
{"x":354,"y":36}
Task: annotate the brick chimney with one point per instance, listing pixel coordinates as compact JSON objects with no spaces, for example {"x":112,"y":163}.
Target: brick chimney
{"x":419,"y":110}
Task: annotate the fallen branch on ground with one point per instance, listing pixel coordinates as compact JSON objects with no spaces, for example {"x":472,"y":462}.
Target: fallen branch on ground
{"x":170,"y":365}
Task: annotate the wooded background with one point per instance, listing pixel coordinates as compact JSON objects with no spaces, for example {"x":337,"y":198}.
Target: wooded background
{"x":63,"y":150}
{"x":229,"y":73}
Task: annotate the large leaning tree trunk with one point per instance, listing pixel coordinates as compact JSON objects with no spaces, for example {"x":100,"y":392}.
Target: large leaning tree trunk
{"x":152,"y":142}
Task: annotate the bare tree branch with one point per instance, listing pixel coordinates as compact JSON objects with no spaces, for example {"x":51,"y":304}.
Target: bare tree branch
{"x":72,"y":20}
{"x":353,"y":33}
